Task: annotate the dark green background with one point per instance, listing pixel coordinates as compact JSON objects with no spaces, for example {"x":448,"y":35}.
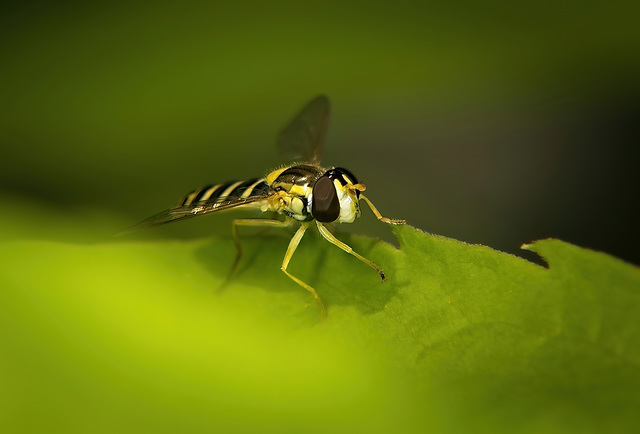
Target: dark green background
{"x":494,"y":123}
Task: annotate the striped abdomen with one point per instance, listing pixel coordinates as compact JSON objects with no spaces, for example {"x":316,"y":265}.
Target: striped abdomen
{"x":229,"y":191}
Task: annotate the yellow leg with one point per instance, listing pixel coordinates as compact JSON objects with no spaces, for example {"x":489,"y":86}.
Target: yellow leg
{"x":378,"y":215}
{"x":336,"y":242}
{"x":236,"y":239}
{"x":293,"y":244}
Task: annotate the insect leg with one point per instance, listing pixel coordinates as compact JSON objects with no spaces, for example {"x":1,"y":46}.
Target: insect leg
{"x":236,"y":239}
{"x":336,"y":242}
{"x":293,"y":244}
{"x":378,"y":215}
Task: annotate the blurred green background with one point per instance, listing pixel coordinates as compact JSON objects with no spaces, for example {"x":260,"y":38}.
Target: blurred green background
{"x":494,"y":123}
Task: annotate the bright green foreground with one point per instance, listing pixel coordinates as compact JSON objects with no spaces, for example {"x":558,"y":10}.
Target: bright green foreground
{"x":133,"y":336}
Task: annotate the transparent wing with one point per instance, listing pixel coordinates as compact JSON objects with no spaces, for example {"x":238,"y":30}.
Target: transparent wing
{"x":303,"y":139}
{"x":196,"y":209}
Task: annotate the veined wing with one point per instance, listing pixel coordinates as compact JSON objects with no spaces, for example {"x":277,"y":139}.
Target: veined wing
{"x":185,"y":212}
{"x":303,"y":139}
{"x":209,"y":199}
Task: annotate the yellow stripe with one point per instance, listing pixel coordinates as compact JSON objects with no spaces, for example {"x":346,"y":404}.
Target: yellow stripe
{"x":209,"y":192}
{"x":230,"y":189}
{"x":273,"y":175}
{"x":247,"y":193}
{"x":190,"y":198}
{"x":300,"y":190}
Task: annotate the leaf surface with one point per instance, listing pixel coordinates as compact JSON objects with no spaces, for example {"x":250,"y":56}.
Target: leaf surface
{"x":136,"y":336}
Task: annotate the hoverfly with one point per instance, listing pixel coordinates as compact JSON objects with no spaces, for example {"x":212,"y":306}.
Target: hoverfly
{"x":303,"y":193}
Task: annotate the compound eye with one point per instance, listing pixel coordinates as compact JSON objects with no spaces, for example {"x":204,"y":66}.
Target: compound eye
{"x":325,"y":205}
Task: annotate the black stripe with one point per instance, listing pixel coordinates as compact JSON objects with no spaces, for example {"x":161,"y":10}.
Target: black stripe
{"x":218,"y":193}
{"x":261,"y":189}
{"x":183,"y":202}
{"x":201,"y":193}
{"x":242,"y":188}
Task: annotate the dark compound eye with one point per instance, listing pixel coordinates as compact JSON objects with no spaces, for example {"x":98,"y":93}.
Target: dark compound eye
{"x":325,"y":205}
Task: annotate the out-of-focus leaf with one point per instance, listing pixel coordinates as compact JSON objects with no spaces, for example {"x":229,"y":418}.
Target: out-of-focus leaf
{"x":135,"y":336}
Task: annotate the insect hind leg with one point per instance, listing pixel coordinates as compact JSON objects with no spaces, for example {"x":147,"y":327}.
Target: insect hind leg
{"x":293,"y":245}
{"x":236,"y":239}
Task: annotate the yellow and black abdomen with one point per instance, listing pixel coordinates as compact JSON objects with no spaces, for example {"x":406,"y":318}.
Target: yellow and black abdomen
{"x":227,"y":192}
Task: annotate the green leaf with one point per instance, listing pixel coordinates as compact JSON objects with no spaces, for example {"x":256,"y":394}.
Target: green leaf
{"x":133,"y":336}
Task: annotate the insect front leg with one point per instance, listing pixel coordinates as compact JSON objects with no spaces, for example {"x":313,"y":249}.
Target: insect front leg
{"x":378,"y":215}
{"x":293,"y":245}
{"x":236,"y":239}
{"x":336,"y":242}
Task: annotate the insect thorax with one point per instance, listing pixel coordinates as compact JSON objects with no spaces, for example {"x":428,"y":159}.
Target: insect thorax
{"x":296,"y":185}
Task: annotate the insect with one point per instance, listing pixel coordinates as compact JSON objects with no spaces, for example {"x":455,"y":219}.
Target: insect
{"x":304,"y":193}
